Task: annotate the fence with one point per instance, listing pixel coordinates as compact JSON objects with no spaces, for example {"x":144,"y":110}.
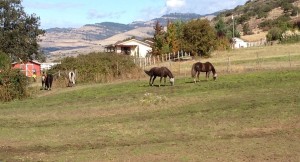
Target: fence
{"x":226,"y":65}
{"x":152,"y":60}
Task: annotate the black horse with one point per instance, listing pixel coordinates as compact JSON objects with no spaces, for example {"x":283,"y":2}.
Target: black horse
{"x":203,"y":67}
{"x":161,"y":72}
{"x":48,"y":81}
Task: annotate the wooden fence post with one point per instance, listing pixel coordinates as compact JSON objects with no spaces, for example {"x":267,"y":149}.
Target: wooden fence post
{"x":228,"y":65}
{"x":179,"y":67}
{"x":166,"y":57}
{"x":258,"y":62}
{"x":290,"y":59}
{"x":140,"y":62}
{"x":117,"y":68}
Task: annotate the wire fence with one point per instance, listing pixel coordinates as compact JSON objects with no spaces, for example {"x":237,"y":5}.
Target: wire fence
{"x":153,"y":60}
{"x":226,"y":65}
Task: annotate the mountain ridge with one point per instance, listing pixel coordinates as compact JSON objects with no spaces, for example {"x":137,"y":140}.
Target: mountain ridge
{"x":62,"y":42}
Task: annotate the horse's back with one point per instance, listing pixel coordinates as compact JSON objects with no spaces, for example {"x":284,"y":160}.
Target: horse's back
{"x":166,"y":72}
{"x":159,"y":71}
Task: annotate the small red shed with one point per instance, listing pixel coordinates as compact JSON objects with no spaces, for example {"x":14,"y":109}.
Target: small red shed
{"x":28,"y":68}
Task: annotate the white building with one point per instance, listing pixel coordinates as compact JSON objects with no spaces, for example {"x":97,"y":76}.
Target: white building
{"x":48,"y":65}
{"x":133,"y":47}
{"x":239,"y":43}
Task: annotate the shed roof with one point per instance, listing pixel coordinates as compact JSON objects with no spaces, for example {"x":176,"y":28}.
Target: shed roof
{"x":33,"y":61}
{"x":119,"y":43}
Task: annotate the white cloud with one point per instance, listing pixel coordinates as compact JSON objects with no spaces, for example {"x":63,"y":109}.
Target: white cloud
{"x":175,"y":3}
{"x":199,"y":6}
{"x":94,"y":14}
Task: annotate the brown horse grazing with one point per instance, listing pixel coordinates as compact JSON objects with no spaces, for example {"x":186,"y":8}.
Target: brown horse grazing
{"x":161,"y":72}
{"x":203,"y":67}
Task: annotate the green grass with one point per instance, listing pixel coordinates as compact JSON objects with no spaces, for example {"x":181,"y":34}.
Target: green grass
{"x":252,"y":116}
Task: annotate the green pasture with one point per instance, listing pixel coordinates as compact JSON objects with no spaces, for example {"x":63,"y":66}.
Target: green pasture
{"x":250,"y":116}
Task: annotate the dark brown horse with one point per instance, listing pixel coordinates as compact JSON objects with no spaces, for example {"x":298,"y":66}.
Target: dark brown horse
{"x":48,"y":81}
{"x":203,"y":67}
{"x":161,"y":72}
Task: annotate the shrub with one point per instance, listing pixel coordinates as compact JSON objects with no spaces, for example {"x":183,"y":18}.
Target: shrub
{"x":4,"y":61}
{"x":290,"y":39}
{"x":99,"y":67}
{"x":274,"y":34}
{"x":13,"y":85}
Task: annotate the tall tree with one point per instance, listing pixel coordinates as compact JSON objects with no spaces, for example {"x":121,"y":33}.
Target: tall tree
{"x":159,"y":39}
{"x":19,"y":32}
{"x":221,"y":28}
{"x":174,"y":35}
{"x":199,"y":36}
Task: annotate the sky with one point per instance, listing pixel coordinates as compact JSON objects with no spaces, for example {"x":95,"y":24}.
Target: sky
{"x":76,"y":13}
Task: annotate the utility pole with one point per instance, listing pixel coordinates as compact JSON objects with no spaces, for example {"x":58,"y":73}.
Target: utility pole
{"x":232,"y":26}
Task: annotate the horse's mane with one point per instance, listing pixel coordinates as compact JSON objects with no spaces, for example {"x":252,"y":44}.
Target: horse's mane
{"x":169,"y":72}
{"x":212,"y":67}
{"x":148,"y":72}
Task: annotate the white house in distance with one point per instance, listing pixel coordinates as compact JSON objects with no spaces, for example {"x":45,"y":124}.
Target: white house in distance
{"x":132,"y":47}
{"x":239,"y":43}
{"x":47,"y":65}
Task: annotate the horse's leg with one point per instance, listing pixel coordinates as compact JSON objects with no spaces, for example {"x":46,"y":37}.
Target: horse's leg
{"x":206,"y":74}
{"x":198,"y":74}
{"x":153,"y":80}
{"x":150,"y":81}
{"x":160,"y":81}
{"x":165,"y":81}
{"x":50,"y":86}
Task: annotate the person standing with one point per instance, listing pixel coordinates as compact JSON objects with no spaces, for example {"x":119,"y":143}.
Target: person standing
{"x":34,"y":77}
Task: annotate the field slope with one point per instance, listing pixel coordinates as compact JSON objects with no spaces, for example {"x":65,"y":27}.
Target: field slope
{"x":252,"y":116}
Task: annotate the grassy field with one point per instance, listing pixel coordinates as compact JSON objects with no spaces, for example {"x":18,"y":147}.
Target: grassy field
{"x":246,"y":116}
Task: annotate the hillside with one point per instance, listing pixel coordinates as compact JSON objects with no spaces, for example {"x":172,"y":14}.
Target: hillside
{"x":261,"y":15}
{"x":61,"y":42}
{"x":257,"y":14}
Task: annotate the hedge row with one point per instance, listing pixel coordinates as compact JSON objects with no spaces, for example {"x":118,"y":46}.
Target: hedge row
{"x":99,"y":67}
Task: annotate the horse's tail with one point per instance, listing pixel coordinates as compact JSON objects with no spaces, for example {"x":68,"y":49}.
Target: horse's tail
{"x":193,"y":71}
{"x":147,"y":72}
{"x":72,"y":77}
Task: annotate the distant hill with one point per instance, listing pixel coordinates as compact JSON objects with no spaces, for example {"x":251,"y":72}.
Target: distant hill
{"x":261,"y":15}
{"x":72,"y":41}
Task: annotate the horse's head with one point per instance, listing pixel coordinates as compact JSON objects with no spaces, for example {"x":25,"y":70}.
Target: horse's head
{"x":172,"y":80}
{"x":215,"y":76}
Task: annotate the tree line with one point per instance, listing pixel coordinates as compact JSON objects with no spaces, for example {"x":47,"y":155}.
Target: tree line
{"x":198,"y":37}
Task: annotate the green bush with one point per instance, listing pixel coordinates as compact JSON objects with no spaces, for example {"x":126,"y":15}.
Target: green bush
{"x":274,"y":34}
{"x":99,"y":67}
{"x":4,"y":61}
{"x":13,"y":85}
{"x":290,"y":39}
